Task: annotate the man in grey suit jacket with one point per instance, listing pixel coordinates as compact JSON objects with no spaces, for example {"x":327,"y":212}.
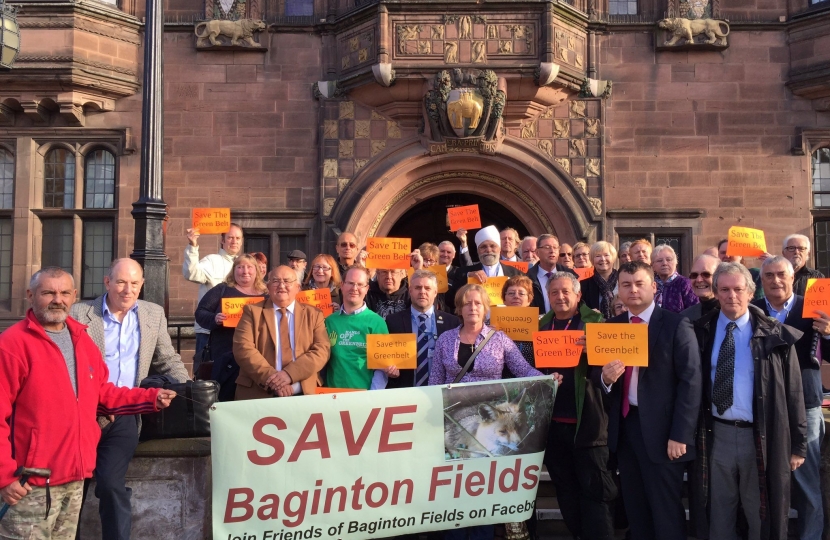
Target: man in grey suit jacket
{"x":133,"y":339}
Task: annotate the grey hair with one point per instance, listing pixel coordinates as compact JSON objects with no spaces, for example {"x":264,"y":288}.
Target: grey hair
{"x":731,"y":269}
{"x":115,"y":262}
{"x":776,"y":260}
{"x":544,"y":237}
{"x":448,"y":243}
{"x":424,"y":274}
{"x":662,"y":247}
{"x":564,"y":275}
{"x":49,"y":271}
{"x":793,"y":237}
{"x":624,"y":246}
{"x":529,"y":238}
{"x":705,"y":257}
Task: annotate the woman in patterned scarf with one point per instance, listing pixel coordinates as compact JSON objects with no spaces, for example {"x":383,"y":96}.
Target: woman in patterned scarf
{"x":598,"y":290}
{"x":674,"y":292}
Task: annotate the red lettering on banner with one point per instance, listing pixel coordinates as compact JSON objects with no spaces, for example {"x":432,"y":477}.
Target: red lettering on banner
{"x":264,"y":438}
{"x":357,"y":487}
{"x":435,"y":483}
{"x":352,"y":446}
{"x":316,"y":423}
{"x":514,"y":472}
{"x":299,"y":513}
{"x":269,"y":511}
{"x":475,"y":479}
{"x":505,"y":481}
{"x":245,"y":505}
{"x":534,"y":478}
{"x":388,"y":427}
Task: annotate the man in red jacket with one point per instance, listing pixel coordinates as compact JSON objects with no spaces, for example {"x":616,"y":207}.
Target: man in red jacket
{"x":53,"y":384}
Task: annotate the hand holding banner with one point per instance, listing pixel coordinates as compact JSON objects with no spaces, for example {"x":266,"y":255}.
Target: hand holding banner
{"x":388,"y":253}
{"x":519,"y":323}
{"x":319,"y":298}
{"x":617,"y":341}
{"x":745,"y":242}
{"x":232,"y":307}
{"x":557,"y":348}
{"x":384,"y":350}
{"x":464,"y":217}
{"x":211,"y":220}
{"x":493,"y":286}
{"x":816,"y":298}
{"x":584,"y":273}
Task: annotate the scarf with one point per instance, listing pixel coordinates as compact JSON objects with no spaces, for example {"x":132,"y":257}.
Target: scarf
{"x":606,"y":292}
{"x":658,"y":299}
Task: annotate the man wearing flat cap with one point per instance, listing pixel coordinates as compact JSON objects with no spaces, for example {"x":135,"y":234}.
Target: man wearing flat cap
{"x":488,"y":244}
{"x":297,"y":261}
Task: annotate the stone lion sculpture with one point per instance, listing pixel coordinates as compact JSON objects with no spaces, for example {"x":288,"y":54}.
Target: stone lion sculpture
{"x":689,"y":28}
{"x":235,"y":30}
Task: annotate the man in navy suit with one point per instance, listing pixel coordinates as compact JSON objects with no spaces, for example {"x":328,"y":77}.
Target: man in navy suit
{"x":423,"y":320}
{"x":780,"y":303}
{"x":653,"y":410}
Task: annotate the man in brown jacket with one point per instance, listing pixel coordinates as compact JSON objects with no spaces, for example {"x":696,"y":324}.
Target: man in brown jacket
{"x":280,"y":344}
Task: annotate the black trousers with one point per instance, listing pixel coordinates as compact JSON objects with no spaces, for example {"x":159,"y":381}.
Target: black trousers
{"x":652,"y":492}
{"x":584,"y":485}
{"x":115,"y":451}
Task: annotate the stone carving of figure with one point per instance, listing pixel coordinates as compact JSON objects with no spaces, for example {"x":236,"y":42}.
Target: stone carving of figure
{"x":438,"y":31}
{"x":592,"y":127}
{"x":479,"y":53}
{"x":561,"y":129}
{"x":424,"y":47}
{"x":529,"y":130}
{"x":578,"y":147}
{"x":505,"y":46}
{"x":465,"y":27}
{"x":593,"y":166}
{"x":565,"y":163}
{"x":406,"y":33}
{"x":466,"y":107}
{"x":492,"y":31}
{"x":577,"y":108}
{"x":546,"y":147}
{"x":450,"y":52}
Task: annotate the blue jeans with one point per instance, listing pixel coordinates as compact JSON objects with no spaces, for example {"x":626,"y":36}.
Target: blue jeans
{"x":807,"y":483}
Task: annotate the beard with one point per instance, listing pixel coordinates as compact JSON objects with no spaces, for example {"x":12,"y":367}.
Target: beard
{"x":489,"y":259}
{"x":51,"y":315}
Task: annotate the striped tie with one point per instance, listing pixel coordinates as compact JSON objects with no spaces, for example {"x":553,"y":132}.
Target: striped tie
{"x":422,"y":372}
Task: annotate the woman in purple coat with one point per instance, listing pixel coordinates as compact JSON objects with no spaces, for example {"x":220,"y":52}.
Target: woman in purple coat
{"x":455,"y":347}
{"x":674,"y":292}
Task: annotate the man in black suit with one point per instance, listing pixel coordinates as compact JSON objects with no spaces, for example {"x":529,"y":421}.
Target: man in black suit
{"x":547,"y":249}
{"x":653,"y":411}
{"x":780,"y":303}
{"x":423,"y":320}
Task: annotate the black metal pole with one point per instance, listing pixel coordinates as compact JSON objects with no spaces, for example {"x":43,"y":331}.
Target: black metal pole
{"x":150,"y":210}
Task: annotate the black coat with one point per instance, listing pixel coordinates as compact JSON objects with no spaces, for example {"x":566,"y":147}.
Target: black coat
{"x":668,"y":390}
{"x":801,"y":277}
{"x":401,"y":323}
{"x":459,"y":279}
{"x":780,"y":418}
{"x":538,"y":293}
{"x":810,"y":366}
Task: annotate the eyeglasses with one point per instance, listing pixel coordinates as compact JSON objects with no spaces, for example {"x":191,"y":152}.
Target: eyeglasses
{"x":518,"y":294}
{"x":356,"y":285}
{"x":348,"y":245}
{"x":566,"y":255}
{"x":318,"y":268}
{"x":278,"y":281}
{"x":704,"y":275}
{"x":793,"y":249}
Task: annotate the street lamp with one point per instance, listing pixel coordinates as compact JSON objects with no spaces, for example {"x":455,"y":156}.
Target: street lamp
{"x":9,"y":36}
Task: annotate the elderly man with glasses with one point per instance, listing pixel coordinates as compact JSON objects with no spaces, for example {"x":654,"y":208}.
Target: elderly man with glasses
{"x":280,"y":344}
{"x":797,"y":251}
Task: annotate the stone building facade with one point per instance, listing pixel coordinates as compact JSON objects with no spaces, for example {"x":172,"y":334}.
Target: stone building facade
{"x":581,"y":117}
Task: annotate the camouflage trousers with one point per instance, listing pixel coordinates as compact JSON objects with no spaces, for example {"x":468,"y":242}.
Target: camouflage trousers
{"x":25,"y":520}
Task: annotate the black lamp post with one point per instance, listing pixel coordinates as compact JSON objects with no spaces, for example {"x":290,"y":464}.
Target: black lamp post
{"x":9,"y":36}
{"x":150,"y":210}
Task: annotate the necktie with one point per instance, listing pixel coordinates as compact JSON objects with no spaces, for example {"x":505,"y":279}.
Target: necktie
{"x":285,"y":338}
{"x":725,"y":371}
{"x":629,"y":373}
{"x":422,"y":371}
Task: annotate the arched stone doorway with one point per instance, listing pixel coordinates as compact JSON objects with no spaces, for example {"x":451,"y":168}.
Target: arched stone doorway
{"x":519,"y":177}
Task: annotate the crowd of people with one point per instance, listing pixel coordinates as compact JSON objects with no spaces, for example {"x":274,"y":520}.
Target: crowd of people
{"x":731,"y":397}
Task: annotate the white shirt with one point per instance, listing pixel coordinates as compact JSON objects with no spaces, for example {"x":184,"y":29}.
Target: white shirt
{"x":635,"y":372}
{"x":492,"y":271}
{"x":289,"y":311}
{"x":543,"y":282}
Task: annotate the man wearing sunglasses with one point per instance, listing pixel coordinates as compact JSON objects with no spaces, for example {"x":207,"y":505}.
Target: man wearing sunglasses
{"x":701,"y":276}
{"x":347,"y":251}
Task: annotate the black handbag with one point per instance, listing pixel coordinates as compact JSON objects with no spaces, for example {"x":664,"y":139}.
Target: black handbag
{"x":188,"y":415}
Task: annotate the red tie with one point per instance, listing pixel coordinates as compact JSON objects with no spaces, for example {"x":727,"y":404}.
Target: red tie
{"x":626,"y":407}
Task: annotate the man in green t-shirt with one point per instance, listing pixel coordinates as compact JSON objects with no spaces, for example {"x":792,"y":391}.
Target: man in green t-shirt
{"x":347,"y":328}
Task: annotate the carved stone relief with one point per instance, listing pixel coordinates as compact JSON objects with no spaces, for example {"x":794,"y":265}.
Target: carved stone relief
{"x":346,"y":149}
{"x":361,"y":129}
{"x":479,"y":52}
{"x":582,"y":184}
{"x":561,"y":129}
{"x":578,"y":147}
{"x":592,"y":166}
{"x":577,"y":109}
{"x":565,"y":163}
{"x":596,"y":205}
{"x":529,"y":130}
{"x":592,"y":127}
{"x":378,"y":147}
{"x":691,"y":34}
{"x":328,"y":204}
{"x":238,"y":34}
{"x":329,"y":168}
{"x":546,"y":147}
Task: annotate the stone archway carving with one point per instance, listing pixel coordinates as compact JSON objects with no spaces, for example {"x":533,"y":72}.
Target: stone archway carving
{"x":519,"y":177}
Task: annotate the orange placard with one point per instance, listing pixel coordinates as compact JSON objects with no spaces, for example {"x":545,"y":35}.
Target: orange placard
{"x":388,"y":253}
{"x":211,"y":220}
{"x":557,"y":348}
{"x":584,"y":273}
{"x":816,"y":298}
{"x":384,"y":350}
{"x":519,"y":323}
{"x":494,"y":286}
{"x":232,"y":307}
{"x":617,"y":341}
{"x":464,"y":217}
{"x":327,"y":390}
{"x":745,"y":242}
{"x":319,"y":298}
{"x":440,"y":272}
{"x":520,"y":265}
